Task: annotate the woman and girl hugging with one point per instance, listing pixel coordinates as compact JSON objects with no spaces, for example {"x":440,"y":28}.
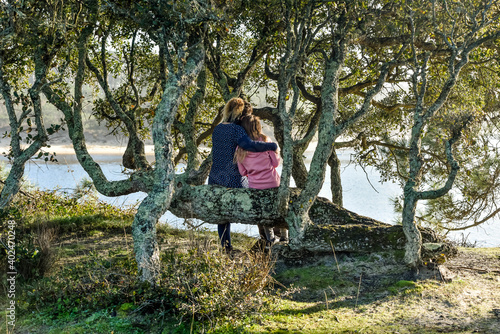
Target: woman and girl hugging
{"x":240,"y":149}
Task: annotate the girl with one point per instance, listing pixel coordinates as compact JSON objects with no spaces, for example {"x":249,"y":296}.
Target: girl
{"x":259,"y":168}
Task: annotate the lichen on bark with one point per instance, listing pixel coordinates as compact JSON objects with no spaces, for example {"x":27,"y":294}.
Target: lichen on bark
{"x":330,"y":225}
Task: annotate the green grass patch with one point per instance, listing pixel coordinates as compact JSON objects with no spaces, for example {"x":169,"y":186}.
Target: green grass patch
{"x":405,"y":287}
{"x":314,"y":278}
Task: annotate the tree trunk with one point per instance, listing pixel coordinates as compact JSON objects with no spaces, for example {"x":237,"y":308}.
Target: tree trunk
{"x":217,"y":205}
{"x":147,"y":253}
{"x":21,"y":156}
{"x":326,"y":225}
{"x":299,"y":170}
{"x":297,"y":217}
{"x":335,"y":180}
{"x":12,"y":183}
{"x":134,"y":156}
{"x":159,"y":199}
{"x":412,"y":233}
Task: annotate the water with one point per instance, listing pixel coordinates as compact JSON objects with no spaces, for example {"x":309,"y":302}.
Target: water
{"x":363,"y":193}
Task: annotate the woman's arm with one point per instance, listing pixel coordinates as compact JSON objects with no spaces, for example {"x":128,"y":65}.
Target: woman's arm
{"x":253,"y":146}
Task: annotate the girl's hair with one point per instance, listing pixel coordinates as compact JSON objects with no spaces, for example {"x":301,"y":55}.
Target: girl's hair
{"x":247,"y":109}
{"x":233,"y":110}
{"x":252,"y":126}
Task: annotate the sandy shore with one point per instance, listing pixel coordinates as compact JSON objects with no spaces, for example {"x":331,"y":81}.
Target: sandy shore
{"x":101,"y":153}
{"x":95,"y":149}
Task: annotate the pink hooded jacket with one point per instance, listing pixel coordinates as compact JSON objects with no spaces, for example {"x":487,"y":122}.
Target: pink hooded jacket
{"x":260,"y":167}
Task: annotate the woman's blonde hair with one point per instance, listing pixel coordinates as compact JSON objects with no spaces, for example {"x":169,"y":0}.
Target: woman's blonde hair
{"x":233,"y":110}
{"x":252,"y":126}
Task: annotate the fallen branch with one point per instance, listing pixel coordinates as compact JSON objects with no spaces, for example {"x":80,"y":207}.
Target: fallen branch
{"x":474,"y":269}
{"x":20,"y":191}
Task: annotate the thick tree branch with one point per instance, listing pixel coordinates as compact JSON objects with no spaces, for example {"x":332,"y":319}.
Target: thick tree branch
{"x":454,"y":166}
{"x":188,"y":127}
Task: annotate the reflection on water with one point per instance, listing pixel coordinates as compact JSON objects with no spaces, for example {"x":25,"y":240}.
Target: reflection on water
{"x":363,"y":194}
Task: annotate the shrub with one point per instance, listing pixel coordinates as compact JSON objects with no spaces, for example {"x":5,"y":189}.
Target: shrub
{"x":209,"y":287}
{"x":197,"y":283}
{"x":35,"y":253}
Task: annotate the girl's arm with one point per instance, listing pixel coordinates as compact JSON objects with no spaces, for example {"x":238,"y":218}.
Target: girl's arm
{"x":275,"y":158}
{"x":242,"y":169}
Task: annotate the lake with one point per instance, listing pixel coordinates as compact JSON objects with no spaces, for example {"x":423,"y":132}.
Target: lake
{"x":363,"y":193}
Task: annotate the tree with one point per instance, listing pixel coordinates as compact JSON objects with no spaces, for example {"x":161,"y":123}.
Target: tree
{"x":33,"y":37}
{"x":458,"y":44}
{"x":177,"y":63}
{"x":471,"y":201}
{"x":337,"y":29}
{"x":178,"y":31}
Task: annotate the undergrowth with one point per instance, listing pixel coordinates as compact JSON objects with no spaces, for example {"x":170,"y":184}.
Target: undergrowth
{"x":43,"y":216}
{"x":201,"y":286}
{"x":198,"y":289}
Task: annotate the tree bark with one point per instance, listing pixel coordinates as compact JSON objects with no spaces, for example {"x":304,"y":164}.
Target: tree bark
{"x":156,"y":203}
{"x":412,"y":233}
{"x":135,"y":148}
{"x":159,"y":199}
{"x":335,"y":179}
{"x":12,"y":183}
{"x":147,"y":253}
{"x":328,"y":224}
{"x":20,"y":156}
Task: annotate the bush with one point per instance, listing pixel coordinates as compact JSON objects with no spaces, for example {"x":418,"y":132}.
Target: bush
{"x":35,"y":254}
{"x":198,"y":284}
{"x":208,"y":286}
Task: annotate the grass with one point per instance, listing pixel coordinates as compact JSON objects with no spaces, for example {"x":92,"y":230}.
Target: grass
{"x":490,"y":252}
{"x":91,"y":286}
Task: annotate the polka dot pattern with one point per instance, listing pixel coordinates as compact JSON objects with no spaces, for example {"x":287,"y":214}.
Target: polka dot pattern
{"x":224,"y":141}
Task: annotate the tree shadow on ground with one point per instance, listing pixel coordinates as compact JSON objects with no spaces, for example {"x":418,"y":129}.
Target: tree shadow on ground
{"x":367,"y":285}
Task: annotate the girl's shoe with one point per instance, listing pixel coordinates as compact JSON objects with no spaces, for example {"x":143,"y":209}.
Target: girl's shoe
{"x":270,"y":243}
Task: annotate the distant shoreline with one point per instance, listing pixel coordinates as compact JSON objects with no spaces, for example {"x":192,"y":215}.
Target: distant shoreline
{"x":99,"y":152}
{"x":92,"y":148}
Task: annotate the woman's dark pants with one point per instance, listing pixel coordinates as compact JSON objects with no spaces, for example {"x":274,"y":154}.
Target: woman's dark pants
{"x":224,"y":234}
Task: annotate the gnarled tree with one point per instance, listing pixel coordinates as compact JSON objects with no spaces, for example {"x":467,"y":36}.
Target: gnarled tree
{"x":190,"y":62}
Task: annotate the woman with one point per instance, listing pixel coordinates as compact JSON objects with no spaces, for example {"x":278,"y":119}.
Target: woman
{"x":260,"y":168}
{"x":225,"y":138}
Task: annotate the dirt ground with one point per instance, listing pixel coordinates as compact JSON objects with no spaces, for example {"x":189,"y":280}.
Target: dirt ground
{"x":459,"y":295}
{"x":475,"y":263}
